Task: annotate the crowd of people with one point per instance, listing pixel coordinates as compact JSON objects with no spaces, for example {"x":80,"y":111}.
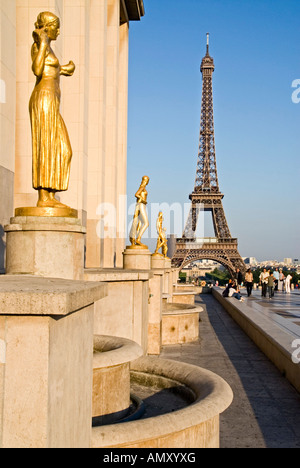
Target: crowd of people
{"x":270,"y":281}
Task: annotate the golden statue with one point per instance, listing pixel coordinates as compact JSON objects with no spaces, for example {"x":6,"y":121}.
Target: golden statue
{"x":51,"y":148}
{"x":161,"y":240}
{"x":140,"y":219}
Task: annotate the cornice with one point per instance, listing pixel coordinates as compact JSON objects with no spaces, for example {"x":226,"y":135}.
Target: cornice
{"x":131,"y":10}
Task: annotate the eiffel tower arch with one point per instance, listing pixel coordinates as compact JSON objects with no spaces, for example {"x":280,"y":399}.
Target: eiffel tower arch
{"x":206,"y":194}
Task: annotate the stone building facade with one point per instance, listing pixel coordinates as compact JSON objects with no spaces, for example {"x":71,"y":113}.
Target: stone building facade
{"x":95,"y":35}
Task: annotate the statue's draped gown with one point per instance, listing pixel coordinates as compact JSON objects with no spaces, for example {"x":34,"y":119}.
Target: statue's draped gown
{"x":51,"y":148}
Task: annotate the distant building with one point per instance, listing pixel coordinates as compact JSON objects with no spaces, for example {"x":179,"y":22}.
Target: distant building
{"x":171,"y":245}
{"x":251,"y":261}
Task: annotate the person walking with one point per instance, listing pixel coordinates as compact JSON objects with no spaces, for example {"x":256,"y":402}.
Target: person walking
{"x":271,"y":285}
{"x":249,"y":281}
{"x":276,"y":279}
{"x":281,"y":280}
{"x":263,"y":279}
{"x":288,"y":283}
{"x":238,"y":277}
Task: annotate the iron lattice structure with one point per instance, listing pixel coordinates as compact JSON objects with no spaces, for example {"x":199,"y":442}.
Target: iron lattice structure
{"x":206,"y":195}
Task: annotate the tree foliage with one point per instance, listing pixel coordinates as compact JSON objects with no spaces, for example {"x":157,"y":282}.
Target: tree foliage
{"x":222,"y":276}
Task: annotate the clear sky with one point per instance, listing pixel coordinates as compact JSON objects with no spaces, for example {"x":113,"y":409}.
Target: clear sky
{"x":256,"y":49}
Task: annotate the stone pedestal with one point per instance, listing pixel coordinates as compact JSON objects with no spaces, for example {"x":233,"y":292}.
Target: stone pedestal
{"x":46,"y":361}
{"x":155,"y":304}
{"x":135,"y":258}
{"x":157,"y":261}
{"x":124,"y":311}
{"x":45,"y":246}
{"x":168,"y":280}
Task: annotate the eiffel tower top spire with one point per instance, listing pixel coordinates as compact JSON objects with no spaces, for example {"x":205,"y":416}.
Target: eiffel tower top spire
{"x":206,"y":172}
{"x":207,"y":64}
{"x":207,"y":43}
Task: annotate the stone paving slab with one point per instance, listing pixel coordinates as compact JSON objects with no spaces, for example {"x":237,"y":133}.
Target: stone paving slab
{"x":283,"y":309}
{"x":265,"y":412}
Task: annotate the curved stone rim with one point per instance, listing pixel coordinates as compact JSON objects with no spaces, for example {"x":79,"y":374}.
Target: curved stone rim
{"x":182,"y":310}
{"x":116,"y":351}
{"x":213,"y":396}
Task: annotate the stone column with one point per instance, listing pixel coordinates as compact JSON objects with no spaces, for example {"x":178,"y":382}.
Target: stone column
{"x":7,"y":116}
{"x":107,"y":135}
{"x":96,"y":133}
{"x":111,"y":129}
{"x":121,"y":186}
{"x":46,"y":361}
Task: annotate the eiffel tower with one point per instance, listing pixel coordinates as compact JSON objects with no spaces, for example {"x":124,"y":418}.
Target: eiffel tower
{"x":206,"y":195}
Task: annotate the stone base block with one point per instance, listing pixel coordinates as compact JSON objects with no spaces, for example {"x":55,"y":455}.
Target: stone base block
{"x":124,"y":312}
{"x":45,"y":246}
{"x":180,"y":324}
{"x":157,"y":261}
{"x":136,"y":259}
{"x":46,"y":361}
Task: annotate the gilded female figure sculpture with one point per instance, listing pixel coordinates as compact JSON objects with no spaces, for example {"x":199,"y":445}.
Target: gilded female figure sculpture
{"x":161,"y":240}
{"x":140,"y":219}
{"x":51,"y":148}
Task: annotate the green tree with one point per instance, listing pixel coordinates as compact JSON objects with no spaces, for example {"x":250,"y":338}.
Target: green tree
{"x":182,"y":277}
{"x":219,"y":275}
{"x":256,"y":274}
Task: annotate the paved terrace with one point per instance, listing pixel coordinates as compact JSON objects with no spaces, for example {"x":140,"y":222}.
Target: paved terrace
{"x":283,"y":309}
{"x":265,"y":412}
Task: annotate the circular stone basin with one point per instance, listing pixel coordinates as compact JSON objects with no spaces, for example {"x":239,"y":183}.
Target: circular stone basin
{"x":173,"y":306}
{"x":180,"y":323}
{"x":186,"y":297}
{"x":111,"y":377}
{"x":159,"y":395}
{"x":193,"y":421}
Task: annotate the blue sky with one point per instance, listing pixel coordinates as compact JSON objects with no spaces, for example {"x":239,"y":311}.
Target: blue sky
{"x":256,"y":49}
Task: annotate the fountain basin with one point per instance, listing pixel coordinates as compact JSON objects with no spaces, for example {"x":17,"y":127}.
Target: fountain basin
{"x":111,"y":377}
{"x":180,"y":323}
{"x":194,"y":425}
{"x":184,"y":296}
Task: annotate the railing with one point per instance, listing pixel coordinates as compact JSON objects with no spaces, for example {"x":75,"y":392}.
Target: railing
{"x":195,"y":243}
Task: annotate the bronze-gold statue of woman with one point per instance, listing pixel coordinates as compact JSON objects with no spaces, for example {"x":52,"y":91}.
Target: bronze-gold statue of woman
{"x":140,"y":219}
{"x":161,"y":239}
{"x":51,"y":148}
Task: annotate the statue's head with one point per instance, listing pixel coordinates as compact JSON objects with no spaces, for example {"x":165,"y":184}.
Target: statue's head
{"x":145,"y":180}
{"x":50,"y":22}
